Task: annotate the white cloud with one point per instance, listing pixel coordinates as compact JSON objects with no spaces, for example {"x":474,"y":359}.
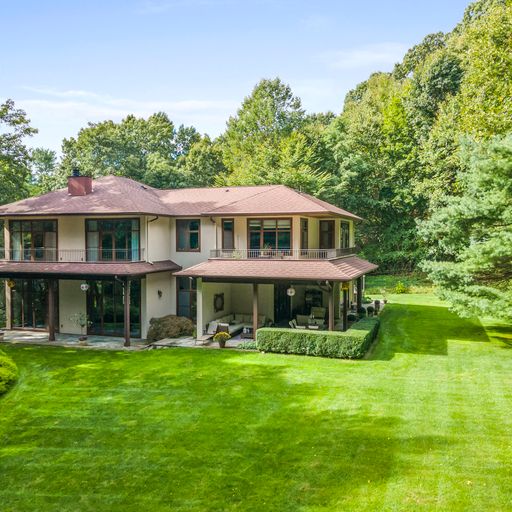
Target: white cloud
{"x":371,"y":55}
{"x":60,"y":114}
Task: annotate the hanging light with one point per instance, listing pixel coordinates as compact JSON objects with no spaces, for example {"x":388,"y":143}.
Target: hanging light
{"x":290,"y":291}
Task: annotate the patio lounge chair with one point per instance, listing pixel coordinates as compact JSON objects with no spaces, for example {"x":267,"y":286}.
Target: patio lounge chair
{"x":293,"y":323}
{"x":318,"y":312}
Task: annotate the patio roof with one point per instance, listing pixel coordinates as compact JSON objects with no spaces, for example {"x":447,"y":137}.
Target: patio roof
{"x":340,"y":269}
{"x":84,"y":270}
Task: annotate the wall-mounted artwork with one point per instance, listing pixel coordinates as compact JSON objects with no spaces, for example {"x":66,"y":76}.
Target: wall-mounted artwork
{"x":218,"y":302}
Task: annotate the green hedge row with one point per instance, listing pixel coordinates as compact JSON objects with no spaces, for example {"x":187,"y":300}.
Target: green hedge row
{"x":351,"y":344}
{"x":8,"y":372}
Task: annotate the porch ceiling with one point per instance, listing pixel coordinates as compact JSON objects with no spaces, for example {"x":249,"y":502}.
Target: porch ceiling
{"x":80,"y":270}
{"x":340,"y":269}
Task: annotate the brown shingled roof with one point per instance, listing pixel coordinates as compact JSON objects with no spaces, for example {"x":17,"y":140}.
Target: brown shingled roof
{"x":62,"y":270}
{"x":340,"y":269}
{"x":118,"y":195}
{"x":111,"y":194}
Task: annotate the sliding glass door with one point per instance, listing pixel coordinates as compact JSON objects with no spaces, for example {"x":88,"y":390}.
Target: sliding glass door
{"x":29,"y":304}
{"x":105,"y":308}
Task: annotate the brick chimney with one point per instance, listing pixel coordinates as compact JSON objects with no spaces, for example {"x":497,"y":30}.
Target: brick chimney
{"x":79,"y":185}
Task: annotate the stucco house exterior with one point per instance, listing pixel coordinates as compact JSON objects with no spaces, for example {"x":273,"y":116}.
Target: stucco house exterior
{"x":122,"y":253}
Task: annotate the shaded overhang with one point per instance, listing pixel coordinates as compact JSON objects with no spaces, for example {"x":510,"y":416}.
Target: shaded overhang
{"x":339,"y":269}
{"x":66,"y":270}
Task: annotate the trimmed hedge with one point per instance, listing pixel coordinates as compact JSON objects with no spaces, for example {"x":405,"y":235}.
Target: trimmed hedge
{"x":351,"y":344}
{"x":8,"y":372}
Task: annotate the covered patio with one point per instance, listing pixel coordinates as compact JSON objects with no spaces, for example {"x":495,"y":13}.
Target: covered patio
{"x":244,"y":295}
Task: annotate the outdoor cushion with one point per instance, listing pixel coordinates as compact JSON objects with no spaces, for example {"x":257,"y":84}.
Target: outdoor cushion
{"x":302,"y":319}
{"x":212,"y":327}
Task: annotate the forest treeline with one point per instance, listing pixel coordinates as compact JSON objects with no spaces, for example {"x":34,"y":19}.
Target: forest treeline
{"x":405,"y":153}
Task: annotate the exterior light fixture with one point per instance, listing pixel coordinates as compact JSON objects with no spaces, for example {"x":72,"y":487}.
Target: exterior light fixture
{"x":290,"y":291}
{"x":84,"y":287}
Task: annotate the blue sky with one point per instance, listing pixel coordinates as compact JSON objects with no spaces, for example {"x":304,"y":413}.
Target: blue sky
{"x":70,"y":62}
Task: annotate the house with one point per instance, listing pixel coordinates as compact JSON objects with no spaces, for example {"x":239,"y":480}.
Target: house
{"x":122,"y":252}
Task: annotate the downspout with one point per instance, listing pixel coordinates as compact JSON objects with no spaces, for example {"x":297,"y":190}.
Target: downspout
{"x":148,"y":222}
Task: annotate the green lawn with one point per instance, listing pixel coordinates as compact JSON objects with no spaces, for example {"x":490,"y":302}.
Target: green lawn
{"x":424,"y":424}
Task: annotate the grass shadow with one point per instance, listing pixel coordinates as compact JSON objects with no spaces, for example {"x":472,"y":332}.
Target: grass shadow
{"x":423,"y":329}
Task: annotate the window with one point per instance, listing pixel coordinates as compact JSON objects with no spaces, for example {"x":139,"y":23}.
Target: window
{"x":228,"y":238}
{"x":113,"y":239}
{"x":326,"y":234}
{"x":187,"y":297}
{"x":303,"y":233}
{"x":270,"y":234}
{"x":188,"y":232}
{"x":33,"y":240}
{"x":345,"y":234}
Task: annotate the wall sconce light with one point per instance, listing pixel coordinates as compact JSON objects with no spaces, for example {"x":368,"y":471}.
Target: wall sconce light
{"x":160,"y":294}
{"x":84,"y":287}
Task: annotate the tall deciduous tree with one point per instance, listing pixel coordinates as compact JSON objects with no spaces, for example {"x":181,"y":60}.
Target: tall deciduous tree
{"x":14,"y":155}
{"x":472,"y":235}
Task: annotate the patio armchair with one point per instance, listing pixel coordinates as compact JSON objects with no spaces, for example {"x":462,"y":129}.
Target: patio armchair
{"x":302,"y":321}
{"x":293,"y":323}
{"x":318,"y":312}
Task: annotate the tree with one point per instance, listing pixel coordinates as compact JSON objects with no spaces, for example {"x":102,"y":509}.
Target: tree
{"x":472,"y":235}
{"x":43,"y":169}
{"x":14,"y":155}
{"x":146,"y":150}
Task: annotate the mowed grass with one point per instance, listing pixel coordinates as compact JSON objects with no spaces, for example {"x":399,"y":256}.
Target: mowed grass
{"x":423,"y":424}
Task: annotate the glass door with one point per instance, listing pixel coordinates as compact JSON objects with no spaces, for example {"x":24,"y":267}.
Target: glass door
{"x":29,"y":304}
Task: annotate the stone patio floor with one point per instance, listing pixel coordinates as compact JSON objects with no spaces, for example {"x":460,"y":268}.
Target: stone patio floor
{"x":107,"y":342}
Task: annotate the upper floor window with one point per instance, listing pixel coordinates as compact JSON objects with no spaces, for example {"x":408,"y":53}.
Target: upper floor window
{"x":33,"y":240}
{"x":2,"y":239}
{"x":113,"y":239}
{"x":228,"y":238}
{"x":326,"y":234}
{"x":345,"y":234}
{"x":188,"y":235}
{"x":270,"y":234}
{"x":303,"y":233}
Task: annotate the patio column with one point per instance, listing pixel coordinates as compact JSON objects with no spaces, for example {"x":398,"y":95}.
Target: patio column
{"x":331,"y":306}
{"x":254,"y":309}
{"x":51,"y":309}
{"x":344,"y":311}
{"x":359,"y":292}
{"x":126,"y":287}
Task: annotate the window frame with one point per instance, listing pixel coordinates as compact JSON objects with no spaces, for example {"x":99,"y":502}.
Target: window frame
{"x":224,"y":248}
{"x":114,"y":249}
{"x":304,"y":234}
{"x":191,"y":290}
{"x":262,"y":245}
{"x":21,"y":249}
{"x":332,"y":231}
{"x":345,"y":223}
{"x":192,"y":219}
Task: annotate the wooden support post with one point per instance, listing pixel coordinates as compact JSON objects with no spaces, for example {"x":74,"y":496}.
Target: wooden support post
{"x":127,"y":312}
{"x":359,"y":293}
{"x":344,"y":311}
{"x":51,"y":309}
{"x":331,"y":306}
{"x":254,"y":309}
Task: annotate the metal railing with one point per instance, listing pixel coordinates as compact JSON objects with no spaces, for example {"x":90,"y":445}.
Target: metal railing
{"x":45,"y":255}
{"x":282,"y":254}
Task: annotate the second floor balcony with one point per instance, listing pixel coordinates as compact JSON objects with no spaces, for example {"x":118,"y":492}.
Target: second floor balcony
{"x":45,"y":255}
{"x":280,"y":254}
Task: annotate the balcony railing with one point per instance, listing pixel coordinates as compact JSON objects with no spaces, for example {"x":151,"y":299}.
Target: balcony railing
{"x":282,"y":254}
{"x":44,"y":255}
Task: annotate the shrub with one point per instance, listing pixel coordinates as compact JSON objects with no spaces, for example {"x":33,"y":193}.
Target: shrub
{"x":351,"y":344}
{"x":361,"y":312}
{"x":401,"y":288}
{"x":170,"y":326}
{"x":351,"y":317}
{"x":370,"y":310}
{"x":8,"y":372}
{"x":248,"y":345}
{"x":367,"y":300}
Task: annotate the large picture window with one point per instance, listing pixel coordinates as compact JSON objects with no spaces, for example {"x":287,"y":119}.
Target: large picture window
{"x":228,"y":238}
{"x":113,"y":239}
{"x":33,"y":240}
{"x":345,"y":234}
{"x":270,"y":234}
{"x":188,"y":235}
{"x":304,"y":234}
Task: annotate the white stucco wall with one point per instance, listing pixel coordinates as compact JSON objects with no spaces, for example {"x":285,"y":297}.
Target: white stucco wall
{"x":159,"y":238}
{"x":156,"y":306}
{"x":72,"y":300}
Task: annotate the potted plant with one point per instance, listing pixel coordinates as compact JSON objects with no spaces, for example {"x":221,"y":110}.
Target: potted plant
{"x":221,"y":338}
{"x":81,"y":320}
